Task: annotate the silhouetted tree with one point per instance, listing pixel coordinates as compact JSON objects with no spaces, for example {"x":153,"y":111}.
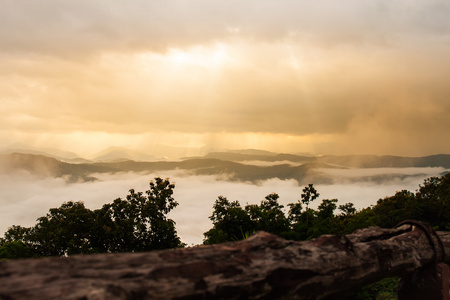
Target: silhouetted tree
{"x":16,"y":243}
{"x":15,"y":249}
{"x":139,"y":223}
{"x":269,"y":215}
{"x":347,"y":209}
{"x":433,"y":202}
{"x":230,"y":222}
{"x":325,"y":222}
{"x":309,"y":195}
{"x":64,"y":231}
{"x":390,"y":211}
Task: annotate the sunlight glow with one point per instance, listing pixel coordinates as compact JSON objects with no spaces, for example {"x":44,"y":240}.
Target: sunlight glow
{"x":198,"y":56}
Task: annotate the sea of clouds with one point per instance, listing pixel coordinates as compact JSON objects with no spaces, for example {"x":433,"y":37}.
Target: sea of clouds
{"x":24,"y":198}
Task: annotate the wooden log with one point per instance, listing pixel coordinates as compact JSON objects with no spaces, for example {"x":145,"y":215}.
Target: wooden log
{"x":263,"y":266}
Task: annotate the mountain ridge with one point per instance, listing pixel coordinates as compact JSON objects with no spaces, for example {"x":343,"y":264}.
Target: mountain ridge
{"x":357,"y":161}
{"x":310,"y":169}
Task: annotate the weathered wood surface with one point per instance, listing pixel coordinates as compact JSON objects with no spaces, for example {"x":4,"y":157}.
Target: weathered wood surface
{"x":262,"y":267}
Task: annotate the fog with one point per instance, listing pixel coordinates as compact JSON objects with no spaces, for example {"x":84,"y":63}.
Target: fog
{"x":262,"y":163}
{"x":24,"y":198}
{"x":358,"y":172}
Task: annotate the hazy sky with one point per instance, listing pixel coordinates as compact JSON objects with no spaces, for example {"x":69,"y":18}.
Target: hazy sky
{"x":286,"y":75}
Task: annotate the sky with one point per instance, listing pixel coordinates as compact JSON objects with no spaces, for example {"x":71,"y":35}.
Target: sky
{"x":326,"y":77}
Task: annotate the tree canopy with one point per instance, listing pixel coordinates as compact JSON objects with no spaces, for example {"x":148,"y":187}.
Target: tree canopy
{"x":431,"y":203}
{"x":137,"y":223}
{"x":140,"y":223}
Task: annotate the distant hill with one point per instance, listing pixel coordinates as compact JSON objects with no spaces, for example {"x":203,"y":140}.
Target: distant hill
{"x":387,"y":161}
{"x":121,"y":154}
{"x":55,"y":153}
{"x":272,"y":157}
{"x":352,"y":161}
{"x":44,"y":166}
{"x":310,"y":169}
{"x":253,"y":152}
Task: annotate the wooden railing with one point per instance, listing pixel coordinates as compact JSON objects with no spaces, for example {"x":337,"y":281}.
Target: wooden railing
{"x":263,"y":266}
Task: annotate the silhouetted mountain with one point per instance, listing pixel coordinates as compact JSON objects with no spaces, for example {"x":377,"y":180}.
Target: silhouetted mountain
{"x":352,"y":161}
{"x":387,"y":161}
{"x":55,"y":153}
{"x":112,"y":154}
{"x":43,"y":166}
{"x":311,"y":169}
{"x":253,"y":152}
{"x":236,"y":156}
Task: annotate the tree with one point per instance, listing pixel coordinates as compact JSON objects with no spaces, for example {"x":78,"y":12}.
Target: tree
{"x":325,"y":221}
{"x":392,"y":210}
{"x":309,"y":195}
{"x":16,"y":243}
{"x":17,"y":233}
{"x":342,"y":220}
{"x":230,"y":222}
{"x":15,"y":249}
{"x":295,"y":212}
{"x":269,"y":215}
{"x":64,"y":231}
{"x":347,"y":209}
{"x":361,"y":219}
{"x":433,"y":202}
{"x":115,"y":226}
{"x":139,"y":223}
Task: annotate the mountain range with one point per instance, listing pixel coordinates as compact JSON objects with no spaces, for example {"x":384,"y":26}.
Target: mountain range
{"x":110,"y":154}
{"x":353,"y":161}
{"x":233,"y":165}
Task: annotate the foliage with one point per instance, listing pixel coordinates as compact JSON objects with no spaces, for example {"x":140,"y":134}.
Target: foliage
{"x":309,"y":195}
{"x":385,"y":289}
{"x":230,"y":221}
{"x":16,"y":233}
{"x":14,"y":243}
{"x":392,"y":210}
{"x":15,"y":249}
{"x":431,"y":203}
{"x":64,"y":231}
{"x":137,"y":223}
{"x":348,"y":210}
{"x":269,"y":215}
{"x":325,"y":221}
{"x":140,"y":223}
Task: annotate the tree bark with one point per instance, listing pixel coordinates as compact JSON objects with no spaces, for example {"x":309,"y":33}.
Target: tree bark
{"x":263,"y":266}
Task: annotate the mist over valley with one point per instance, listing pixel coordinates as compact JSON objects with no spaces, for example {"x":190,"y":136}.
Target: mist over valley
{"x":123,"y":122}
{"x":31,"y":184}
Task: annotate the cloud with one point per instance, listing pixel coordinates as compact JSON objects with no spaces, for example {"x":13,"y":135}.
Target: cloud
{"x":123,"y":96}
{"x":357,"y":76}
{"x":73,"y":28}
{"x":320,"y":76}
